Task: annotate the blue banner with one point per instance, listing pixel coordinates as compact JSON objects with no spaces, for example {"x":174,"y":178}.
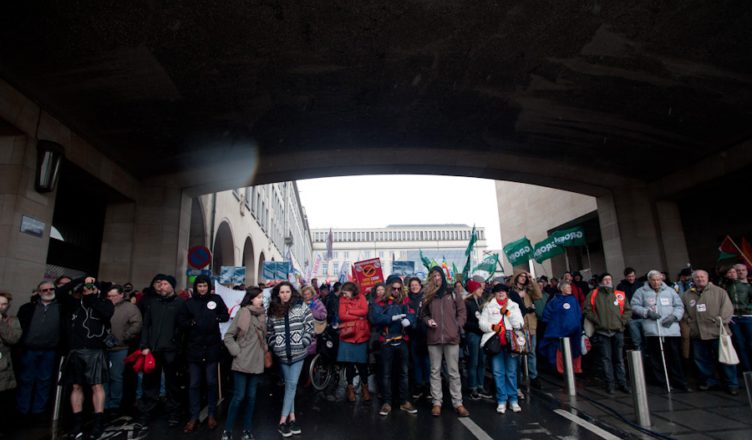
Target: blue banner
{"x":276,"y":270}
{"x":403,"y":268}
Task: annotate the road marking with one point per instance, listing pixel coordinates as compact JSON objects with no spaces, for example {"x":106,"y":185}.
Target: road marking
{"x":476,"y":430}
{"x":587,"y":425}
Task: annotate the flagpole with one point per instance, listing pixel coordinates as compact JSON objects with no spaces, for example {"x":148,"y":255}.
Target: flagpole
{"x":590,"y":264}
{"x":740,"y":251}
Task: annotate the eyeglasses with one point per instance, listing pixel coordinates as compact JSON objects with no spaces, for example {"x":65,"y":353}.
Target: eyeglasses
{"x":47,"y":290}
{"x":396,"y":288}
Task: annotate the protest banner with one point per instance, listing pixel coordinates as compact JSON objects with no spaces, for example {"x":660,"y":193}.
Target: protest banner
{"x":403,"y":268}
{"x":368,"y":273}
{"x":518,"y":252}
{"x":546,"y":249}
{"x":232,"y":275}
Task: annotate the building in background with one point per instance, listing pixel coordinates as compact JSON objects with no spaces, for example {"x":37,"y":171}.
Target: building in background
{"x":395,"y":243}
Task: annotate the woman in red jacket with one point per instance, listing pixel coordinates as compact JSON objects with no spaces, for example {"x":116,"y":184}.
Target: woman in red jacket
{"x":354,"y":333}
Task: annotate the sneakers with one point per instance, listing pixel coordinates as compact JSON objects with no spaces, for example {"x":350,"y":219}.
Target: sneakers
{"x":484,"y":394}
{"x":246,"y":435}
{"x":501,"y":408}
{"x":409,"y":408}
{"x":516,"y":407}
{"x":462,"y":411}
{"x":284,"y":430}
{"x":294,"y":427}
{"x":385,"y":409}
{"x":226,"y":435}
{"x":474,"y":395}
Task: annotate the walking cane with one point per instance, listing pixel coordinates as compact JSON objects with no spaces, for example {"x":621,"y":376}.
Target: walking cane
{"x":58,"y":399}
{"x":663,"y":356}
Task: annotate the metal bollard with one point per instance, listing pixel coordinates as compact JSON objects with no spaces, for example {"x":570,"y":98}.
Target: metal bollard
{"x":566,"y":350}
{"x":748,"y":384}
{"x":639,"y":392}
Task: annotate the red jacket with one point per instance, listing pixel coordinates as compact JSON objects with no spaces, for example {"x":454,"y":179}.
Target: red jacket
{"x":579,"y":294}
{"x":354,"y":312}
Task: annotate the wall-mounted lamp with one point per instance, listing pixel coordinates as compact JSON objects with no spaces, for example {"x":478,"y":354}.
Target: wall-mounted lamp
{"x":49,"y":157}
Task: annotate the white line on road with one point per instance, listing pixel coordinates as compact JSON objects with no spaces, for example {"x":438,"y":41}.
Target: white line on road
{"x":476,"y":430}
{"x":587,"y":425}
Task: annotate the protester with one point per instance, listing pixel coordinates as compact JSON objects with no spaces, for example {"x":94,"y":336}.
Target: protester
{"x":418,"y":344}
{"x":552,"y":288}
{"x":125,"y":325}
{"x":740,"y":292}
{"x":88,"y":319}
{"x":609,"y":311}
{"x":460,"y":291}
{"x":160,"y":336}
{"x":444,"y":315}
{"x":246,"y":342}
{"x":576,"y":290}
{"x":391,"y":315}
{"x":10,"y":334}
{"x":563,"y":320}
{"x":476,"y":362}
{"x":499,"y":318}
{"x":42,"y":325}
{"x":705,"y":303}
{"x":289,"y":333}
{"x":355,"y":331}
{"x":199,"y":320}
{"x":661,"y":310}
{"x":525,"y":291}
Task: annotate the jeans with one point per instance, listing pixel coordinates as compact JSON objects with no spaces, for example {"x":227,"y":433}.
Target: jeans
{"x":291,"y":373}
{"x":610,"y":356}
{"x":706,"y":361}
{"x":197,"y":370}
{"x":476,"y":362}
{"x":391,"y":353}
{"x":114,"y":389}
{"x":244,"y":389}
{"x":634,"y":327}
{"x":34,"y":380}
{"x":421,"y":365}
{"x":504,"y":366}
{"x":451,"y":354}
{"x":741,"y":331}
{"x":168,"y":363}
{"x":532,"y":362}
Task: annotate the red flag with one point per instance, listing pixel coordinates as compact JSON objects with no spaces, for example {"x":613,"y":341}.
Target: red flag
{"x":728,"y":249}
{"x":746,"y":252}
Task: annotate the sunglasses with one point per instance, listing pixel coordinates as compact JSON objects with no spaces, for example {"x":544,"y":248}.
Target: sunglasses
{"x":46,"y":290}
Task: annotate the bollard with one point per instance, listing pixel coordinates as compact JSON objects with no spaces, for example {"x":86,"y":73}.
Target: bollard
{"x":566,"y":350}
{"x":639,"y":392}
{"x":748,"y":384}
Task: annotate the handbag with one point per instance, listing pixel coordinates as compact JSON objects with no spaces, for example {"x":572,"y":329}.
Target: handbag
{"x":726,"y":353}
{"x":519,"y":341}
{"x":585,"y":345}
{"x":493,"y":345}
{"x":268,"y":361}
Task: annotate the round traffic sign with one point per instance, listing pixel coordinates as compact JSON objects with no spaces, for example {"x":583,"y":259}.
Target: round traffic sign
{"x":199,"y":257}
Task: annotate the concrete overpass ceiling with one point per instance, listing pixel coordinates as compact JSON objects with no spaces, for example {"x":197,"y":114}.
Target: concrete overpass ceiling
{"x":587,"y":86}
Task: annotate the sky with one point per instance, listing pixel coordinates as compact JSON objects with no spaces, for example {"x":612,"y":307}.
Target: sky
{"x":378,"y":201}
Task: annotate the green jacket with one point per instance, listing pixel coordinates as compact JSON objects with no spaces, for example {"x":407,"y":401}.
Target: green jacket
{"x":10,"y":333}
{"x":702,"y":309}
{"x":741,"y":296}
{"x":605,"y":312}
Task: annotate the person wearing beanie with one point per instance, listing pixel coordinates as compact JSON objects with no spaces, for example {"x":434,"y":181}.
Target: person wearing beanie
{"x":160,"y":336}
{"x":199,"y":320}
{"x":444,"y":314}
{"x":476,"y":363}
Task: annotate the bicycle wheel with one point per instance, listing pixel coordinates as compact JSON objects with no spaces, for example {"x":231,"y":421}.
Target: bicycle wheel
{"x":321,"y":372}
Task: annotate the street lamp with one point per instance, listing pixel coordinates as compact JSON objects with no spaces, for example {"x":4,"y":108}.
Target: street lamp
{"x":49,"y":157}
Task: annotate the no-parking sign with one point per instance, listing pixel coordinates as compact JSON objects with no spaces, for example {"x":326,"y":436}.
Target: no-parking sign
{"x":199,"y":257}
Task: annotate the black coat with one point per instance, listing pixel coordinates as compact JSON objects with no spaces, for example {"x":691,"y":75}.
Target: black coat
{"x":86,"y":320}
{"x":160,"y":332}
{"x":200,"y":320}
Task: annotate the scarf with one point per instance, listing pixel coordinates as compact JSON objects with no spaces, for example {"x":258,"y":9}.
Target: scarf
{"x":244,"y":318}
{"x":503,"y":330}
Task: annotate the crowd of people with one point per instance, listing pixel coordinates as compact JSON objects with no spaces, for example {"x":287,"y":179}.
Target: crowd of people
{"x":411,"y":335}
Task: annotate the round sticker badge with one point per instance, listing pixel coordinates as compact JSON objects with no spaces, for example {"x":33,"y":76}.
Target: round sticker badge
{"x":211,"y":305}
{"x":692,"y":303}
{"x":616,"y":303}
{"x":567,"y":306}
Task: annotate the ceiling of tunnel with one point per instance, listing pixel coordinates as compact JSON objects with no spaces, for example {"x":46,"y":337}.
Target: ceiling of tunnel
{"x":600,"y":84}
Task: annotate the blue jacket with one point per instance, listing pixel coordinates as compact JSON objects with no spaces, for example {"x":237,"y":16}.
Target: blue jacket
{"x":381,"y":313}
{"x":665,"y":302}
{"x":563,"y":319}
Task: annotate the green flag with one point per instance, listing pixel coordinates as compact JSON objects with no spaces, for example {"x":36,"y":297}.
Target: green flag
{"x":455,"y":272}
{"x":518,"y":252}
{"x":426,"y":261}
{"x":471,"y":243}
{"x":570,"y":237}
{"x":487,"y":267}
{"x":547,"y":249}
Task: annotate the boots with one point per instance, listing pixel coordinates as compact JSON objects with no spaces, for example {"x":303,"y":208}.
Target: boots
{"x":350,"y":393}
{"x":98,"y":428}
{"x":365,"y":395}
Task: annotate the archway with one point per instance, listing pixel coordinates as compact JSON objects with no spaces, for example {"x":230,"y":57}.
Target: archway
{"x":198,"y":225}
{"x":248,"y":262}
{"x":261,"y":261}
{"x":224,"y":254}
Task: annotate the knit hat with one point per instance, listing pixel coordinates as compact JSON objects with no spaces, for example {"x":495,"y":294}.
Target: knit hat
{"x":499,"y":287}
{"x":393,"y":279}
{"x":473,"y":285}
{"x":169,"y":278}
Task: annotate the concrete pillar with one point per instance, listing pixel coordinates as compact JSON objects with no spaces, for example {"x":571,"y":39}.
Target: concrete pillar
{"x":672,"y":236}
{"x":116,"y":259}
{"x":161,"y":233}
{"x":23,"y":256}
{"x":631,"y":231}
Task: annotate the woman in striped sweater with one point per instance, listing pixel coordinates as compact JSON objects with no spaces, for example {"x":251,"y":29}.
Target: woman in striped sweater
{"x":290,"y":332}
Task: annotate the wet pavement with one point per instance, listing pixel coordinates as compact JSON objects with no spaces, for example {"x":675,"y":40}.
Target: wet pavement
{"x":546,"y":414}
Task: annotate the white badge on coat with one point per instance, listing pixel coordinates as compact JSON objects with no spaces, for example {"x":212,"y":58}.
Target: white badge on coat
{"x":616,"y":303}
{"x":665,"y":301}
{"x":651,"y":301}
{"x":702,"y":308}
{"x":211,"y":305}
{"x":567,"y":306}
{"x":692,"y":303}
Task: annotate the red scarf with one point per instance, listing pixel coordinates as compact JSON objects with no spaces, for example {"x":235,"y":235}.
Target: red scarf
{"x":503,"y":330}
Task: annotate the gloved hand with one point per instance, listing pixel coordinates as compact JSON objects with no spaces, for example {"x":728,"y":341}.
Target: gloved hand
{"x":398,"y":317}
{"x":668,"y":320}
{"x":652,"y":315}
{"x":405,"y":322}
{"x":496,"y":328}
